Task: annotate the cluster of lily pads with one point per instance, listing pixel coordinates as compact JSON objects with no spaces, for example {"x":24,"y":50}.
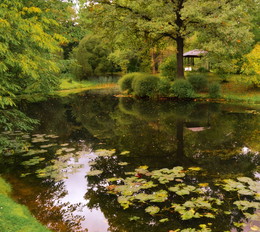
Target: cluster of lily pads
{"x":45,"y":151}
{"x":166,"y":191}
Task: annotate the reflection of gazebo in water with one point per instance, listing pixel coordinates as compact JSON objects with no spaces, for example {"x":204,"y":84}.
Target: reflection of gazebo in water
{"x":189,"y":58}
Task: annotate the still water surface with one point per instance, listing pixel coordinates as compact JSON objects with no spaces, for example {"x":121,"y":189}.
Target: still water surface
{"x":62,"y":170}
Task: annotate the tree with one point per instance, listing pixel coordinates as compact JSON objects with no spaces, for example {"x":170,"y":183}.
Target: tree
{"x":222,"y":25}
{"x":28,"y":48}
{"x":92,"y":57}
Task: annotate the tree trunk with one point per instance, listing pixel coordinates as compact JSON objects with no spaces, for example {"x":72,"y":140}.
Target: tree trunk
{"x":153,"y":56}
{"x":179,"y":56}
{"x":180,"y":139}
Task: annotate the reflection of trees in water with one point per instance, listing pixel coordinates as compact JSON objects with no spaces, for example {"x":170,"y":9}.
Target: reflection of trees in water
{"x":155,"y":133}
{"x":42,"y":197}
{"x":149,"y":129}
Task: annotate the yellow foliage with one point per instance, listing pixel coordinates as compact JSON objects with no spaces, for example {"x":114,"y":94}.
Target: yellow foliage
{"x":32,"y":9}
{"x":4,"y":22}
{"x":252,"y":66}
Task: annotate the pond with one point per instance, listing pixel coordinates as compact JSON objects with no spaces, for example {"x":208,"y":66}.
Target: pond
{"x":98,"y":163}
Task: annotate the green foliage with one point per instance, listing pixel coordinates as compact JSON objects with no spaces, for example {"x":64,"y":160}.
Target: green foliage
{"x":125,"y":82}
{"x":92,"y":57}
{"x":164,"y":87}
{"x":252,"y":81}
{"x":13,"y":119}
{"x":202,"y":70}
{"x":214,"y":90}
{"x":145,"y":85}
{"x":182,"y":89}
{"x":222,"y":29}
{"x":198,"y":81}
{"x":251,"y":67}
{"x":168,"y":68}
{"x":28,"y":48}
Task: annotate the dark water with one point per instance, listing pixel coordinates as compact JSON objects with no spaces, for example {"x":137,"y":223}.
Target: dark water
{"x":50,"y":170}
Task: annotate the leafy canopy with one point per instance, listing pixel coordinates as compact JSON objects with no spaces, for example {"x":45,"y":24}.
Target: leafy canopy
{"x":27,"y":49}
{"x":223,"y":26}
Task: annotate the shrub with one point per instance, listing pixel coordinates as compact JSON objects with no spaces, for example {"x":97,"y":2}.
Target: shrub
{"x":164,"y":87}
{"x":145,"y":85}
{"x":125,"y":82}
{"x":168,"y":68}
{"x":252,"y":81}
{"x":214,"y":90}
{"x":199,"y":82}
{"x":182,"y":89}
{"x":202,"y":70}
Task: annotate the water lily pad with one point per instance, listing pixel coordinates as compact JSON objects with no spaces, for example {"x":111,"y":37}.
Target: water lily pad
{"x":35,"y":160}
{"x":38,"y":135}
{"x":188,"y":214}
{"x":245,"y":179}
{"x":68,"y":149}
{"x":113,"y":179}
{"x":164,"y":220}
{"x":203,"y":185}
{"x":52,"y":136}
{"x":124,"y":201}
{"x":152,"y":210}
{"x":194,"y":168}
{"x":255,"y":228}
{"x":160,"y":196}
{"x":105,"y":153}
{"x":134,"y":218}
{"x":48,"y":145}
{"x":64,"y":144}
{"x":91,"y":163}
{"x":39,"y":140}
{"x":94,"y":173}
{"x":25,"y":174}
{"x":123,"y":163}
{"x":125,"y":153}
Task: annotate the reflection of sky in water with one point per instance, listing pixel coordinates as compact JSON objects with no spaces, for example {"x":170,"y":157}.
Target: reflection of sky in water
{"x":76,"y":185}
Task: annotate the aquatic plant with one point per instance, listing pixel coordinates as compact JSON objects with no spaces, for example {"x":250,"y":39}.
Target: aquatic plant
{"x":166,"y":192}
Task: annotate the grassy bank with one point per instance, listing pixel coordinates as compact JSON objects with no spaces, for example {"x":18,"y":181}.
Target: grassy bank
{"x":232,"y":90}
{"x":15,"y":217}
{"x":69,"y":86}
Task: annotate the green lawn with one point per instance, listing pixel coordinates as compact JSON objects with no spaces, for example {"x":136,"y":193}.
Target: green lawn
{"x":15,"y":217}
{"x":232,"y":89}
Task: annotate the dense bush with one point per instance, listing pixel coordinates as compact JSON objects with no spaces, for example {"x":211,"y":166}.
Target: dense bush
{"x":202,"y":70}
{"x":168,"y":68}
{"x":214,"y":90}
{"x":164,"y":87}
{"x":182,"y":89}
{"x":125,"y":82}
{"x":91,"y":58}
{"x":198,"y":81}
{"x":145,"y":85}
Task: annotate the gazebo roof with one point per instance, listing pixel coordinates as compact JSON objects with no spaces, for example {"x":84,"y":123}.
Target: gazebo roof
{"x":195,"y":53}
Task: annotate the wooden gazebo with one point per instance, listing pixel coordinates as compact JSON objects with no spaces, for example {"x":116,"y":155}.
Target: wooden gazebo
{"x":191,"y":55}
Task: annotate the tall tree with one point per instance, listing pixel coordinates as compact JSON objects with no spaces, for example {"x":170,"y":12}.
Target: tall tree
{"x":27,"y":49}
{"x":224,"y":25}
{"x":29,"y":44}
